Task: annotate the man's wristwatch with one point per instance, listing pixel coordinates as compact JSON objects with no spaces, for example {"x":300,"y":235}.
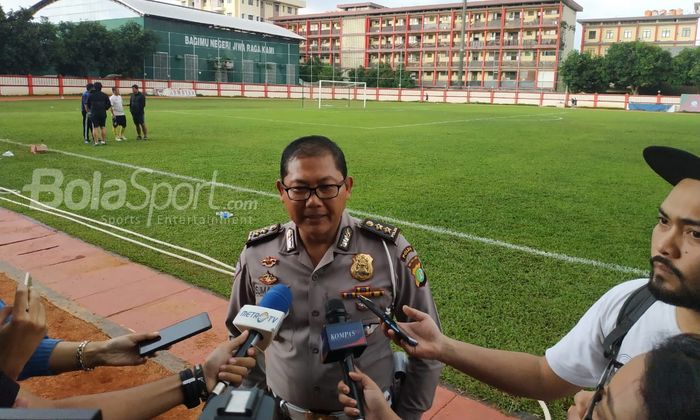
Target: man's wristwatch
{"x":190,"y":389}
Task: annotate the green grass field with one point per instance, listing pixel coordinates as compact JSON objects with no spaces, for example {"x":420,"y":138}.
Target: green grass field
{"x":569,"y":182}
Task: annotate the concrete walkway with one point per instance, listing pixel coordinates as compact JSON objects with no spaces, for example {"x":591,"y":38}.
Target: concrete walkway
{"x":113,"y":290}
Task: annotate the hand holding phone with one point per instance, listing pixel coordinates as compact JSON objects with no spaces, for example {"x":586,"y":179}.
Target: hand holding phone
{"x":387,"y":320}
{"x":176,"y":333}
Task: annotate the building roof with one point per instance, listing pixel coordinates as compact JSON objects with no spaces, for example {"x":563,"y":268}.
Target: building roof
{"x":641,"y":19}
{"x":188,"y":14}
{"x":356,"y":5}
{"x":390,"y":10}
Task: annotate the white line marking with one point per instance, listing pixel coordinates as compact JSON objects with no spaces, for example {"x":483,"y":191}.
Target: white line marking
{"x":527,"y":117}
{"x":434,"y":229}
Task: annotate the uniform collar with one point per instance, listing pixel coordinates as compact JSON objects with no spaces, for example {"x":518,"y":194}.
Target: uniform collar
{"x":346,"y":221}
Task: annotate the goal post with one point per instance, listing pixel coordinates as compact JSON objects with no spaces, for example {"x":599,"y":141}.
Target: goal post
{"x":331,"y":91}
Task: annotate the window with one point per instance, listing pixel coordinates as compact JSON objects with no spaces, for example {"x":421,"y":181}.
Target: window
{"x":646,"y":34}
{"x":289,"y":10}
{"x":685,"y":32}
{"x":250,"y":17}
{"x":531,"y":13}
{"x":228,"y":14}
{"x":592,"y":34}
{"x":609,"y":35}
{"x":549,"y":53}
{"x":277,"y":7}
{"x":666,"y":33}
{"x":257,"y":3}
{"x":627,"y":34}
{"x":250,"y":2}
{"x":242,"y":15}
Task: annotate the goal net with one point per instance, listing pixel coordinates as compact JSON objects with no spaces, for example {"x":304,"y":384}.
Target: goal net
{"x":341,"y":93}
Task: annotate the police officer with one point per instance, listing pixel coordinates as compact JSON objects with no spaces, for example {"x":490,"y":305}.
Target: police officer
{"x":323,"y":253}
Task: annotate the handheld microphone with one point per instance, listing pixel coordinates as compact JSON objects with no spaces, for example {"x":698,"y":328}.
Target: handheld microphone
{"x":341,"y":342}
{"x":262,"y":323}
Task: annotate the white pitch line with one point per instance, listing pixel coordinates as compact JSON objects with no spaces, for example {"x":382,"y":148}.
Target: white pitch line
{"x":545,"y":117}
{"x":434,"y":229}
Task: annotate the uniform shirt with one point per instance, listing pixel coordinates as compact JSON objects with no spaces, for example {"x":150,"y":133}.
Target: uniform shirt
{"x":98,"y":103}
{"x":137,"y":103}
{"x":83,"y":101}
{"x":579,"y":358}
{"x":117,"y":105}
{"x":294,"y":369}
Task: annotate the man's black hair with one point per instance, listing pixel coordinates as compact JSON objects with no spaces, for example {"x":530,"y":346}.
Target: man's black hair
{"x":89,"y":87}
{"x":98,"y":86}
{"x":135,"y":86}
{"x":313,"y":146}
{"x":671,"y":383}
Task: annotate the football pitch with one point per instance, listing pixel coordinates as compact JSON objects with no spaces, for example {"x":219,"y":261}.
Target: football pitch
{"x":522,"y":216}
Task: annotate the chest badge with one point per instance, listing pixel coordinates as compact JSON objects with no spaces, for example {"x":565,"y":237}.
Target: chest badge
{"x":268,"y":262}
{"x":362,"y":268}
{"x":268,"y":279}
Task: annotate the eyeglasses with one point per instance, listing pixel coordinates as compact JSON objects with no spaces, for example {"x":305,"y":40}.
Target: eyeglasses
{"x":608,"y":373}
{"x":324,"y":192}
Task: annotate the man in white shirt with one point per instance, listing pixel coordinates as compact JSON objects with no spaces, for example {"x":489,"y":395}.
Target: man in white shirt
{"x":577,"y":360}
{"x":118,"y":116}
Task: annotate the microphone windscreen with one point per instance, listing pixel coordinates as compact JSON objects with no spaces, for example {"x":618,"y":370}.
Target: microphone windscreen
{"x":279,"y":298}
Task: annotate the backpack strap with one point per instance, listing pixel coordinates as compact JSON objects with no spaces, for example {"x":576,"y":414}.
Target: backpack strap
{"x":634,"y":307}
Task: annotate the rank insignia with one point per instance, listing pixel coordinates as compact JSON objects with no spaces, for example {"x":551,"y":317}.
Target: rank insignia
{"x":291,"y":240}
{"x":361,"y":268}
{"x":417,"y":270}
{"x":405,"y":252}
{"x":265,"y":233}
{"x":344,"y":240}
{"x":382,"y":230}
{"x":268,"y":279}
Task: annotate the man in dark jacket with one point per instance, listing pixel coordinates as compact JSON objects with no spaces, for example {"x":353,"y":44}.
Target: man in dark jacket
{"x":87,"y":123}
{"x":137,"y":106}
{"x":98,"y":104}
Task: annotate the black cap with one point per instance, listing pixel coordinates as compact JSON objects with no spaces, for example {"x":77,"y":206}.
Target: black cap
{"x":673,"y":165}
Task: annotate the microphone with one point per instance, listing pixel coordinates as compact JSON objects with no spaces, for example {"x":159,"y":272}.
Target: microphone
{"x":262,"y":323}
{"x":342,"y":341}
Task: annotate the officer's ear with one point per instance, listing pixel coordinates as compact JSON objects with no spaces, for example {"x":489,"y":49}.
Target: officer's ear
{"x":280,"y":189}
{"x":348,"y":184}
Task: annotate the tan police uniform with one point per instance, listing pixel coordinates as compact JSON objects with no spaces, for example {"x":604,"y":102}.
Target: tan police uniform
{"x":367,"y":257}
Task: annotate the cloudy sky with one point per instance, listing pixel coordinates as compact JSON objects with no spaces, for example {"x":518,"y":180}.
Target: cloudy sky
{"x":591,"y":8}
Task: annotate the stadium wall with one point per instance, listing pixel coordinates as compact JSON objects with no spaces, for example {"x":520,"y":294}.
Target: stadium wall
{"x":11,"y":85}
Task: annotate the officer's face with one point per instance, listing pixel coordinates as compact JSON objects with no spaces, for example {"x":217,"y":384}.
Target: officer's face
{"x":317,"y":219}
{"x":675,"y":247}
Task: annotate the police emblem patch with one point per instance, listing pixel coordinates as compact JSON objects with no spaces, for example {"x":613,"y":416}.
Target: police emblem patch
{"x":362,"y":268}
{"x":417,"y":270}
{"x":268,"y":262}
{"x":268,"y":279}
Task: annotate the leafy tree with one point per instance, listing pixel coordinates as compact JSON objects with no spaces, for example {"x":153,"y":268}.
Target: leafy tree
{"x":26,"y":46}
{"x":583,"y":73}
{"x":131,"y":44}
{"x":635,"y":65}
{"x":686,"y":68}
{"x":403,"y":78}
{"x":314,"y":70}
{"x":84,"y":48}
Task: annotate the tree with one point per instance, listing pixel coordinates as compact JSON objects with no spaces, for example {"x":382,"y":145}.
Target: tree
{"x":635,"y":65}
{"x":583,"y":73}
{"x":402,"y":78}
{"x":26,"y":46}
{"x":686,"y":68}
{"x":84,"y":48}
{"x":314,"y":70}
{"x":131,"y":44}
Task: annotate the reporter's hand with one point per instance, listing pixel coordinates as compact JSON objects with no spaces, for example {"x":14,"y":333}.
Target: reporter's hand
{"x":582,"y":399}
{"x":424,"y":330}
{"x":220,"y":365}
{"x":119,"y":351}
{"x":376,"y":407}
{"x":20,"y":337}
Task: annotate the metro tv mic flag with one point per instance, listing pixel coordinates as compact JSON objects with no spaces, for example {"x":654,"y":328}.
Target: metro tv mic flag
{"x":261,"y":321}
{"x":342,"y":341}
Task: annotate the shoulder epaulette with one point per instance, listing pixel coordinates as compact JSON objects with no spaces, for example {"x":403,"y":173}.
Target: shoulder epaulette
{"x":264,"y":234}
{"x":388,"y":232}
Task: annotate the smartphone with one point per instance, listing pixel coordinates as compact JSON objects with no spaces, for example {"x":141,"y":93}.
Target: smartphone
{"x":387,"y":320}
{"x":176,"y":333}
{"x":27,"y":280}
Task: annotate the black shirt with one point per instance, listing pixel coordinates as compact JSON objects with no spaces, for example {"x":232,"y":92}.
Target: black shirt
{"x":137,"y":103}
{"x":98,"y":103}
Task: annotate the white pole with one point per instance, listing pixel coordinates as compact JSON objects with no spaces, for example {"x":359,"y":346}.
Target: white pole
{"x":319,"y":94}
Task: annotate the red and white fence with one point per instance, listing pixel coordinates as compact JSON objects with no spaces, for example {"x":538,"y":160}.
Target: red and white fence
{"x":60,"y":86}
